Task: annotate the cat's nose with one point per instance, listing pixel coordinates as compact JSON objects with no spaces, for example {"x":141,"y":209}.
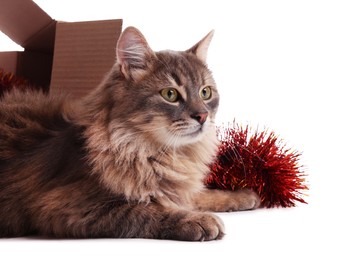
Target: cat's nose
{"x":200,"y":117}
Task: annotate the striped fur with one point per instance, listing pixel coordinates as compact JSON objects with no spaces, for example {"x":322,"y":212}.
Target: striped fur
{"x":122,"y":162}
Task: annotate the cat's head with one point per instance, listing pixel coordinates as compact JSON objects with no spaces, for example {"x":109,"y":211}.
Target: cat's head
{"x":170,"y":96}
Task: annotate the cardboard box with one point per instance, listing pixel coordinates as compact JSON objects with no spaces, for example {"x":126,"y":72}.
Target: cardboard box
{"x":58,"y":56}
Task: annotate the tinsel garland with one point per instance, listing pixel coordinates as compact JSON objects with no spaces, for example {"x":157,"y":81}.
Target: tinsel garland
{"x":258,"y":161}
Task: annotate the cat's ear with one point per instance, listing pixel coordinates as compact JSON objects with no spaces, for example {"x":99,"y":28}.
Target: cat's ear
{"x":200,"y":49}
{"x":134,"y":55}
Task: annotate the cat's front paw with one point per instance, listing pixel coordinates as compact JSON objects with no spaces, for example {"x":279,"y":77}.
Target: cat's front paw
{"x":196,"y":227}
{"x":243,"y":200}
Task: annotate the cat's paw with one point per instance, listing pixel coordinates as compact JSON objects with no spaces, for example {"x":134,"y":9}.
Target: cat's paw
{"x":197,"y":227}
{"x":243,"y":200}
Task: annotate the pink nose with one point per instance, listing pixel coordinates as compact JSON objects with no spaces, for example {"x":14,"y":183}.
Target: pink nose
{"x":200,"y":117}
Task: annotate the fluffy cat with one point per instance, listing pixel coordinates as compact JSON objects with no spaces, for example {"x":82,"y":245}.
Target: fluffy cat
{"x":127,"y":161}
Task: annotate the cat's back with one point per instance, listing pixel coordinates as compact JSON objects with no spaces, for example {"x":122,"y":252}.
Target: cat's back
{"x":27,"y":119}
{"x":30,"y":105}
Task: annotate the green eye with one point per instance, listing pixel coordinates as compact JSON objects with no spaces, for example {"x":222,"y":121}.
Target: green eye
{"x":169,"y":94}
{"x":205,"y":93}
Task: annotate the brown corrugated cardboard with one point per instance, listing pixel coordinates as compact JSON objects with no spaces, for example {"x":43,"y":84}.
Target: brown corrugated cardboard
{"x":9,"y":60}
{"x":29,"y":26}
{"x":83,"y":52}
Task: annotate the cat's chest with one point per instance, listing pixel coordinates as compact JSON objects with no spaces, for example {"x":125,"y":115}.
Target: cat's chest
{"x":175,"y":167}
{"x":176,"y":177}
{"x":169,"y":178}
{"x":141,"y":172}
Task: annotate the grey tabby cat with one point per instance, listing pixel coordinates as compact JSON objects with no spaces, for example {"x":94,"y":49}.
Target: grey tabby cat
{"x":127,"y":161}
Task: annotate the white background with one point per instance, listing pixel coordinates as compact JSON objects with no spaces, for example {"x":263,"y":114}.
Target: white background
{"x":275,"y":63}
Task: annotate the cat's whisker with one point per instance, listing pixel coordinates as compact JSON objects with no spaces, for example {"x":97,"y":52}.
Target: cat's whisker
{"x":131,"y":132}
{"x":171,"y":143}
{"x":163,"y":148}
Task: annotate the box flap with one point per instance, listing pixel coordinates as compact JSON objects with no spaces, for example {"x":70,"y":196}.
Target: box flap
{"x":27,"y":24}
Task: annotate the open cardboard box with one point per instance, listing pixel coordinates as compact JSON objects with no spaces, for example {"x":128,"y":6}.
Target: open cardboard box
{"x":58,"y":56}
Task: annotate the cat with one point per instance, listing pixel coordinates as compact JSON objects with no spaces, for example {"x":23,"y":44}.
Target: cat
{"x":126,"y":161}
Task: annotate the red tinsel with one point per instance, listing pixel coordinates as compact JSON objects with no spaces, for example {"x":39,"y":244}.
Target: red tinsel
{"x":258,"y":161}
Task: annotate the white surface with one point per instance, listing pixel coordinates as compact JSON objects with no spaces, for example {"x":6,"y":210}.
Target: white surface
{"x":276,"y":65}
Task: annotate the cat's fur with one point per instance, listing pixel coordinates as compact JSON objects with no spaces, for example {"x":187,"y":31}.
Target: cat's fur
{"x":122,"y":162}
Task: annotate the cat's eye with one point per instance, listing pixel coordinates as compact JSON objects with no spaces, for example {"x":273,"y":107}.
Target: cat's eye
{"x":169,"y":94}
{"x":205,"y":93}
